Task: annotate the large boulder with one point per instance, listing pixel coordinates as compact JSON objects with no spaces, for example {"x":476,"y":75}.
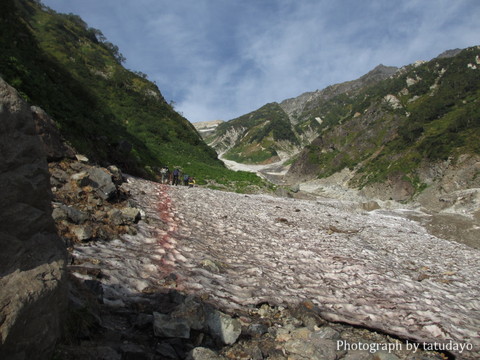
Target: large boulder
{"x":32,"y":257}
{"x":54,"y":144}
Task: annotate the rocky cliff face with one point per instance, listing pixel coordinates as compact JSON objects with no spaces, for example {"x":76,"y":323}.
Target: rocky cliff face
{"x":32,"y":260}
{"x":294,"y":107}
{"x":207,"y":128}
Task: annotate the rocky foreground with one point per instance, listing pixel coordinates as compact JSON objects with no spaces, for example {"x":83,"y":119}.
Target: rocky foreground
{"x":210,"y":274}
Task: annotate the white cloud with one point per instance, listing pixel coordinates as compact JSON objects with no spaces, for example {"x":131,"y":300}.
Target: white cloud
{"x":221,"y":59}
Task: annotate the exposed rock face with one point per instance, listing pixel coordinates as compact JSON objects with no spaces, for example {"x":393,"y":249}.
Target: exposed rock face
{"x":32,"y":259}
{"x":206,"y":128}
{"x":295,"y":106}
{"x":52,"y":141}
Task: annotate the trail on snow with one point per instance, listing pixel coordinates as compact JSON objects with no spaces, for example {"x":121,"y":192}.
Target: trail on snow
{"x":375,"y":269}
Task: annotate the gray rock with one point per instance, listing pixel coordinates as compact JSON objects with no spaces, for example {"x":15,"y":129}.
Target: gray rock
{"x":167,"y":351}
{"x":257,"y":330}
{"x":82,"y":232}
{"x":201,"y":353}
{"x":130,"y":215}
{"x":58,"y":177}
{"x":167,"y":326}
{"x":223,"y":327}
{"x":115,"y":217}
{"x":295,"y":188}
{"x":383,"y":355}
{"x":326,"y":332}
{"x":370,"y":205}
{"x":53,"y":143}
{"x":102,"y":182}
{"x":192,"y":311}
{"x":134,"y":351}
{"x":308,"y":313}
{"x":143,"y":321}
{"x":59,"y":213}
{"x":358,"y":355}
{"x":319,"y":349}
{"x":32,"y":260}
{"x":88,"y":353}
{"x":75,"y":215}
{"x":81,"y":178}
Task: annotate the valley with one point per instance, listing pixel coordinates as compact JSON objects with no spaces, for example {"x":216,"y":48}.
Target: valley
{"x":341,"y":224}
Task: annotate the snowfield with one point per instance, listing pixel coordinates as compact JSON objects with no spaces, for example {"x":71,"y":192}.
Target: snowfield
{"x":376,"y":269}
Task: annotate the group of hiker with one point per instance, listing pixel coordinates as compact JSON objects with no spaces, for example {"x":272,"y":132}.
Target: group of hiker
{"x":174,"y":177}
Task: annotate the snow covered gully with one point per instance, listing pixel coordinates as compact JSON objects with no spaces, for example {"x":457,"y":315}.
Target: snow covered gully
{"x":374,"y":269}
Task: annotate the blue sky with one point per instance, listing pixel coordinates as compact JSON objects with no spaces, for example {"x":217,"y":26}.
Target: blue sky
{"x":220,"y":59}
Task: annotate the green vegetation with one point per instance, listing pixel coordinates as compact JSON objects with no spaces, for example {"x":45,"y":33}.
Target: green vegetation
{"x":262,"y":130}
{"x":105,"y":111}
{"x":438,"y":118}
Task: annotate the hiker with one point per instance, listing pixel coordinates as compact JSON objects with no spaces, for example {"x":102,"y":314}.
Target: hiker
{"x":191,"y":182}
{"x":176,"y":174}
{"x":185,"y":179}
{"x":164,"y":173}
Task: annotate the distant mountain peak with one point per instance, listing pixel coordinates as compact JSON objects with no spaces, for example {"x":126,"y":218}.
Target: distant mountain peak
{"x":448,"y":53}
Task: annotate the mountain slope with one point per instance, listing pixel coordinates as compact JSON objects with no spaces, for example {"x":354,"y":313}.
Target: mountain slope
{"x":105,"y":111}
{"x":428,"y":112}
{"x":257,"y":137}
{"x":278,"y":131}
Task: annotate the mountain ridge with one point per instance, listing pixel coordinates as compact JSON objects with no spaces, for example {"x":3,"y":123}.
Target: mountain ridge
{"x":386,"y":127}
{"x":232,"y":137}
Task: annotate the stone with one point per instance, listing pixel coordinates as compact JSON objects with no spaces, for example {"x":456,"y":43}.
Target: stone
{"x":223,"y":327}
{"x":82,"y":158}
{"x":166,"y":326}
{"x":54,"y":144}
{"x":358,"y":355}
{"x":326,"y":332}
{"x":58,"y":177}
{"x":192,"y":311}
{"x":130,"y":215}
{"x":308,"y":313}
{"x":33,"y":293}
{"x":320,"y":349}
{"x":102,"y":183}
{"x":134,"y":352}
{"x":256,"y":330}
{"x":115,"y":217}
{"x":82,"y":232}
{"x":116,"y":174}
{"x":295,"y":188}
{"x":143,"y":321}
{"x":167,"y":351}
{"x":81,"y":178}
{"x":383,"y":355}
{"x":59,"y":214}
{"x":75,"y":215}
{"x":201,"y":353}
{"x":370,"y":205}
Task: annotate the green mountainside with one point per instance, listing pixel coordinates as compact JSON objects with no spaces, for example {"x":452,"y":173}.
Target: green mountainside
{"x":426,"y":112}
{"x":383,"y":126}
{"x":277,"y":131}
{"x":262,"y":134}
{"x":109,"y":113}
